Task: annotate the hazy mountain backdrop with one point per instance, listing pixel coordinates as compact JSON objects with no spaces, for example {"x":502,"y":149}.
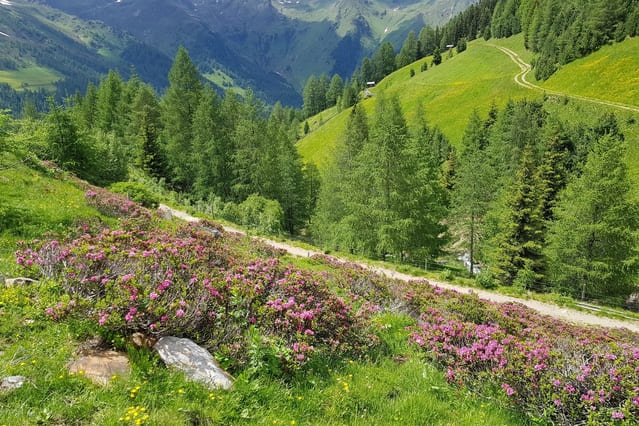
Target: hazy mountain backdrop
{"x":272,"y":46}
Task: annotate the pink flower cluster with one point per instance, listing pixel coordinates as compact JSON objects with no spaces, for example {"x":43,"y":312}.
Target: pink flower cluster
{"x":213,"y":289}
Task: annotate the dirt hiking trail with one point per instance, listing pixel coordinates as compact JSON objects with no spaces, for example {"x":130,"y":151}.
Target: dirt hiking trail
{"x":566,"y":314}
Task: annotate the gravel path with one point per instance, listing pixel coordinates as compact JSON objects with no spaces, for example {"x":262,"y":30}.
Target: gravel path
{"x":525,"y":68}
{"x":565,"y":314}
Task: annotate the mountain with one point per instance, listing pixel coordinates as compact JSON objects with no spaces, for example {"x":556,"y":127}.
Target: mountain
{"x":53,"y":49}
{"x":272,"y":46}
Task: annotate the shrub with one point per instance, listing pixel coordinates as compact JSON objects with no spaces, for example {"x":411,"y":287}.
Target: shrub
{"x":262,"y":214}
{"x":555,"y":372}
{"x":137,"y":192}
{"x":193,"y":284}
{"x":486,"y":280}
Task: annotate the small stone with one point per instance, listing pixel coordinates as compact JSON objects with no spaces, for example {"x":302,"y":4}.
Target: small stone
{"x":11,"y":383}
{"x":10,"y":282}
{"x":101,"y":366}
{"x":196,"y":362}
{"x":140,"y":340}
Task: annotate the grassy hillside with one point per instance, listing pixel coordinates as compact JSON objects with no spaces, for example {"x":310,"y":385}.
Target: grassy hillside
{"x":32,"y":77}
{"x":404,"y":375}
{"x":611,"y":73}
{"x":393,"y":384}
{"x":483,"y":74}
{"x":448,"y":94}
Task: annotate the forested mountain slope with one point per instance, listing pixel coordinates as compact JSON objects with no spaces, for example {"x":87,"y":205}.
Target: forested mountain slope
{"x":70,"y":48}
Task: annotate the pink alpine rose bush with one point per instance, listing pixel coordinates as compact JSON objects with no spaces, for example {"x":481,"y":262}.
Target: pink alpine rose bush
{"x":554,"y":371}
{"x":209,"y":288}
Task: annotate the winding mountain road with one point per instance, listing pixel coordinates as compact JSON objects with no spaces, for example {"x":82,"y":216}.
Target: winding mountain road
{"x":520,"y":79}
{"x":566,"y":314}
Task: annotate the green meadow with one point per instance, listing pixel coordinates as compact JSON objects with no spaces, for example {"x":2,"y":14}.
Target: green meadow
{"x":32,"y":77}
{"x":481,"y":75}
{"x":611,"y":74}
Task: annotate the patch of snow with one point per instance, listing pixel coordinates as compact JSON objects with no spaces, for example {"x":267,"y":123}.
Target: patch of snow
{"x":385,"y":30}
{"x":4,"y":34}
{"x":5,"y":3}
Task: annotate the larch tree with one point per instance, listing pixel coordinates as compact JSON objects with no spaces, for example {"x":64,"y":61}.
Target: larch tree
{"x":592,"y":244}
{"x":473,"y":188}
{"x":178,"y":110}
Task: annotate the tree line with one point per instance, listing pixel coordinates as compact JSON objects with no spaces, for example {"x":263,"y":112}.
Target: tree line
{"x":542,"y":203}
{"x":225,"y":150}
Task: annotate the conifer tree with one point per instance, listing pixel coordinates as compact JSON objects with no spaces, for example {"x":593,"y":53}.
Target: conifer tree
{"x":426,"y":201}
{"x":409,"y":52}
{"x":377,"y":210}
{"x":592,"y":245}
{"x":384,"y":61}
{"x":89,"y":109}
{"x":334,"y":91}
{"x":147,"y":125}
{"x":329,"y":227}
{"x":437,"y":56}
{"x":108,"y":102}
{"x":209,"y":158}
{"x":253,"y":154}
{"x":178,"y":109}
{"x":473,"y":188}
{"x":519,"y":243}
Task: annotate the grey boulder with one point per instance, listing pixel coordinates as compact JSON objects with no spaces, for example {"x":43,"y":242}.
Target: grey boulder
{"x":196,"y":362}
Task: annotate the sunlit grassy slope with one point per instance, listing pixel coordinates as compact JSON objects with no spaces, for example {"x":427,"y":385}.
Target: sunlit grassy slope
{"x":611,"y":73}
{"x":483,"y":74}
{"x":32,"y":78}
{"x":448,"y":94}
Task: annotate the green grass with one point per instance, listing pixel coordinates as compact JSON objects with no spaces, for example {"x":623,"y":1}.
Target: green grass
{"x":221,"y":79}
{"x":32,"y":77}
{"x":516,"y":44}
{"x":448,"y":94}
{"x":34,"y":203}
{"x":393,"y":387}
{"x":483,"y":74}
{"x":609,"y":74}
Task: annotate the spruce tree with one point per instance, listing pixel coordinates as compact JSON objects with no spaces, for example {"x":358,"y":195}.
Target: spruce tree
{"x":519,"y":243}
{"x":437,"y":56}
{"x":209,"y":158}
{"x":147,"y":125}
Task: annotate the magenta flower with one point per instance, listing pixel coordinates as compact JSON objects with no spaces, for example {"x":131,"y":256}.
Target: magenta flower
{"x":179,"y":313}
{"x":153,"y":295}
{"x":509,"y":390}
{"x":617,"y":415}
